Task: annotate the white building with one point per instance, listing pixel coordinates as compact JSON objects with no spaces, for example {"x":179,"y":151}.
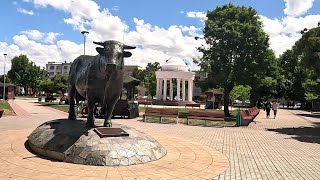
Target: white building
{"x":175,"y":70}
{"x":57,"y":68}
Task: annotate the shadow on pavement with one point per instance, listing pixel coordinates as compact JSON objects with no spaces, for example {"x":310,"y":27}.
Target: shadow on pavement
{"x":314,"y":115}
{"x":303,"y":134}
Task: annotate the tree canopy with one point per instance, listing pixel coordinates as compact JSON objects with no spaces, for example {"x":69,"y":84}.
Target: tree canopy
{"x":25,"y":73}
{"x":148,"y":76}
{"x":236,"y":50}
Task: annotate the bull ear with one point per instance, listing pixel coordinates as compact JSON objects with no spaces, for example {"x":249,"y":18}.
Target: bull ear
{"x":127,"y":54}
{"x":101,"y":51}
{"x":128,"y":47}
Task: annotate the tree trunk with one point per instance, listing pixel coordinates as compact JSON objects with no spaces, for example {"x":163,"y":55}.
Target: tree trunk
{"x":226,"y":100}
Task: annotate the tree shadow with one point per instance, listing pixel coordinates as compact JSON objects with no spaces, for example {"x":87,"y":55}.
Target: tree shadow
{"x":303,"y":134}
{"x":313,"y":115}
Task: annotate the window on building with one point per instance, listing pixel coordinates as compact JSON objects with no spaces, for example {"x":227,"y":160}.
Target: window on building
{"x":51,"y":67}
{"x":65,"y":67}
{"x":58,"y":67}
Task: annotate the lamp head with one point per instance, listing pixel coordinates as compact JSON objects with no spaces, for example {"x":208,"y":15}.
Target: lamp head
{"x":84,"y":33}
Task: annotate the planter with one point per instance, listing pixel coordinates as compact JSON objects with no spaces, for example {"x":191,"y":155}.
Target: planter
{"x":1,"y":112}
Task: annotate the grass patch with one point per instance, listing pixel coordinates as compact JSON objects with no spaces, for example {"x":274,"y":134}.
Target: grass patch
{"x":7,"y":108}
{"x":56,"y":105}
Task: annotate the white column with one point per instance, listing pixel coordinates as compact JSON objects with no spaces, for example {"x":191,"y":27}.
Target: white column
{"x":161,"y":89}
{"x":183,"y":90}
{"x":178,"y":89}
{"x":158,"y":90}
{"x":171,"y":90}
{"x":190,"y":86}
{"x":165,"y":89}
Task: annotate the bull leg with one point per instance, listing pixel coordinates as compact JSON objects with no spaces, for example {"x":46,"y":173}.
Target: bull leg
{"x":71,"y":93}
{"x":90,"y":118}
{"x":108,"y":115}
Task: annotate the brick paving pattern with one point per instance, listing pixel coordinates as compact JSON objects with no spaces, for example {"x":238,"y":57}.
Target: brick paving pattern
{"x":287,"y":147}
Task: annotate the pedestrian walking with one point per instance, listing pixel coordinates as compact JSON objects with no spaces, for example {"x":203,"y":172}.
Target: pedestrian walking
{"x":275,"y":107}
{"x":267,"y":108}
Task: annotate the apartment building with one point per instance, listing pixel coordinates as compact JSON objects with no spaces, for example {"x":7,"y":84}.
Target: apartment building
{"x":57,"y":68}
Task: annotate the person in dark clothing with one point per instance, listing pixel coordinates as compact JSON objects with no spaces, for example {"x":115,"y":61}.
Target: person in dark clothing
{"x":267,"y":107}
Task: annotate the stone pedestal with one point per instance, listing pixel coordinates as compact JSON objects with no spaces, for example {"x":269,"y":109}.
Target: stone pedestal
{"x":71,"y":141}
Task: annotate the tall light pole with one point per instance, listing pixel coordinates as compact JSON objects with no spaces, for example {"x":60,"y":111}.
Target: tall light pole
{"x":84,"y":33}
{"x":4,"y":77}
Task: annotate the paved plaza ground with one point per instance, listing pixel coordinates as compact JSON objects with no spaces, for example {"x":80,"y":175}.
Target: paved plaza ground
{"x":287,"y":147}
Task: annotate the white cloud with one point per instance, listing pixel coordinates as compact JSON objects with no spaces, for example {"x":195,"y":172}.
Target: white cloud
{"x":33,"y":34}
{"x":285,"y":32}
{"x":24,"y":11}
{"x":39,"y":53}
{"x":40,"y":36}
{"x":193,"y":14}
{"x":297,"y":7}
{"x":51,"y":37}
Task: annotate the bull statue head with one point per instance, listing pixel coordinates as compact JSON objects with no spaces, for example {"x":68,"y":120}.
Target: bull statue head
{"x":113,"y":48}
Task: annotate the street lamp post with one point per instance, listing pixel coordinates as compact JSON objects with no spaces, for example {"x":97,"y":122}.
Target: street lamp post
{"x":4,"y":77}
{"x":84,"y":33}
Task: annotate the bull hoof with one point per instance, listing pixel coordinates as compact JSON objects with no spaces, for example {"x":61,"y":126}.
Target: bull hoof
{"x":108,"y":124}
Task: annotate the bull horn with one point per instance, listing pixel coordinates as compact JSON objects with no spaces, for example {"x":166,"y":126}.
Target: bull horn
{"x":99,"y":43}
{"x":128,"y":47}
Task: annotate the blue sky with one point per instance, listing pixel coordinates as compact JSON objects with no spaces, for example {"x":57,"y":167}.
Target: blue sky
{"x":49,"y":30}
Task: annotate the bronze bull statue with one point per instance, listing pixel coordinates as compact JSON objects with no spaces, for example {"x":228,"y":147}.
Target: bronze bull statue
{"x":98,"y":79}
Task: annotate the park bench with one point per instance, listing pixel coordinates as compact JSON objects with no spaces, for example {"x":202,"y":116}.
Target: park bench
{"x":248,"y":115}
{"x":205,"y":115}
{"x":144,"y":102}
{"x":161,"y":112}
{"x":193,"y":105}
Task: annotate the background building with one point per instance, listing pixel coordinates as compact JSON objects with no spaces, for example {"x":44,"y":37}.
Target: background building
{"x":57,"y":68}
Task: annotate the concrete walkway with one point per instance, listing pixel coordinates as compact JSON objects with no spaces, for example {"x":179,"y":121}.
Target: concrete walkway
{"x":287,"y":147}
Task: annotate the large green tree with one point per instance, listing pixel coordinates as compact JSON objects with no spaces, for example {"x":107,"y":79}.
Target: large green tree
{"x":56,"y":84}
{"x":236,"y":48}
{"x":25,"y":73}
{"x":148,"y":76}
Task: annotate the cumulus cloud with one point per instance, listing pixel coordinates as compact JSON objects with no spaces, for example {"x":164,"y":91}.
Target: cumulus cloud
{"x":40,"y":53}
{"x":40,"y":36}
{"x":24,"y":11}
{"x":297,"y":7}
{"x":194,"y":14}
{"x":285,"y":32}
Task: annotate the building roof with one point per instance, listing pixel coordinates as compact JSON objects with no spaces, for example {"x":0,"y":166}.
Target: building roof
{"x":175,"y":64}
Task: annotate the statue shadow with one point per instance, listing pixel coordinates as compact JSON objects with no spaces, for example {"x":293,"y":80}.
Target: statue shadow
{"x":303,"y":134}
{"x":57,"y":135}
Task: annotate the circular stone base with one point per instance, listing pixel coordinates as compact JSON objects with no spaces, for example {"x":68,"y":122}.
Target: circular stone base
{"x":71,"y":141}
